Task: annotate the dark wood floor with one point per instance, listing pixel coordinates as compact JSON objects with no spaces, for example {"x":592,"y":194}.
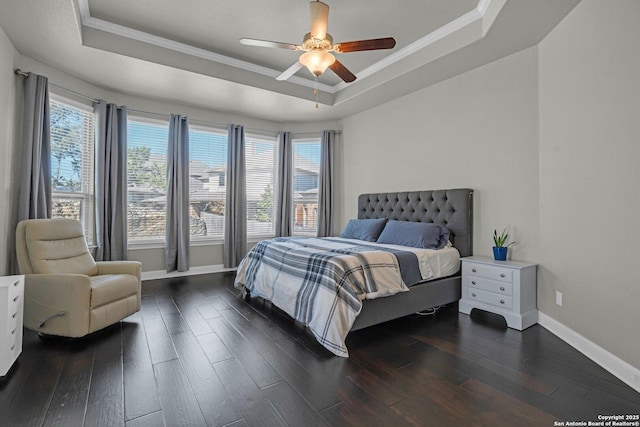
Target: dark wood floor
{"x":198,"y":355}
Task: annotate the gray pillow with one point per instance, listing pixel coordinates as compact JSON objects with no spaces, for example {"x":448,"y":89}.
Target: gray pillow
{"x":415,"y":234}
{"x":364,"y":229}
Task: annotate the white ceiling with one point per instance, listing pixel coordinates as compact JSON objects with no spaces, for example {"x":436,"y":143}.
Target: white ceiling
{"x":188,"y":51}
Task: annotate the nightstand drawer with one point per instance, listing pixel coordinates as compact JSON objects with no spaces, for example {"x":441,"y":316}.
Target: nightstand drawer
{"x":490,"y":298}
{"x":491,"y":272}
{"x":503,"y":288}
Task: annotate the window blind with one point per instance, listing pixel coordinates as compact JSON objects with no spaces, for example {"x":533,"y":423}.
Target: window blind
{"x":306,"y":167}
{"x":207,"y":182}
{"x":146,"y":180}
{"x":72,"y":163}
{"x":261,"y":166}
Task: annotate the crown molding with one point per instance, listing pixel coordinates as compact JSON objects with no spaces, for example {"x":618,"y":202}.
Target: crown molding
{"x":485,"y":11}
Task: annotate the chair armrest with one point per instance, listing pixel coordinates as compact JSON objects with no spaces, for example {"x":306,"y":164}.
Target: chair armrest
{"x":48,"y":294}
{"x":120,"y":267}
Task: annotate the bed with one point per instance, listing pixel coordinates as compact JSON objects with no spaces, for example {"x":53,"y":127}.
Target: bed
{"x":336,"y":285}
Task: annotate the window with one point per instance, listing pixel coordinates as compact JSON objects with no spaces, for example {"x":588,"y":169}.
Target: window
{"x":306,"y":167}
{"x":146,"y":180}
{"x":261,"y":166}
{"x":72,"y":148}
{"x":207,"y":191}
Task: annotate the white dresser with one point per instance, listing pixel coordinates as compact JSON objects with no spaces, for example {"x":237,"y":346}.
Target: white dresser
{"x":507,"y":288}
{"x":11,"y":306}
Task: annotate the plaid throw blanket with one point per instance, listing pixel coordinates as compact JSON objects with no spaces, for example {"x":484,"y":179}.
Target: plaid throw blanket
{"x":320,"y":282}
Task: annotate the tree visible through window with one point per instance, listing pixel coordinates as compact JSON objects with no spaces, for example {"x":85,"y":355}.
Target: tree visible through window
{"x":72,"y":162}
{"x":261,"y":167}
{"x":146,"y":180}
{"x":207,"y":190}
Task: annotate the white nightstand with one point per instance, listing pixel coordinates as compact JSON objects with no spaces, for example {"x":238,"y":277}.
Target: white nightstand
{"x":507,"y":288}
{"x":11,"y":306}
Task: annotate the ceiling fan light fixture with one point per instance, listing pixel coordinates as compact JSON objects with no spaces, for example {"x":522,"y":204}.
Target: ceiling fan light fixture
{"x":317,"y":61}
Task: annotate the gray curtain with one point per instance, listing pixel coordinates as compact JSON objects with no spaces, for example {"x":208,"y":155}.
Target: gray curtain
{"x":34,"y":200}
{"x":284,"y":200}
{"x":325,"y":188}
{"x":111,"y":181}
{"x":176,"y":245}
{"x":235,"y":216}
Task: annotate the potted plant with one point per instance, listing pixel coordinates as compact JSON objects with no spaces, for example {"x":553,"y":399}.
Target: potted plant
{"x":500,"y":244}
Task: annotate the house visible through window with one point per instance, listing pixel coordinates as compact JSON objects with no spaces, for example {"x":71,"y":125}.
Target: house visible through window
{"x":306,"y":167}
{"x":72,"y":162}
{"x":261,"y":167}
{"x":207,"y":191}
{"x":146,"y":180}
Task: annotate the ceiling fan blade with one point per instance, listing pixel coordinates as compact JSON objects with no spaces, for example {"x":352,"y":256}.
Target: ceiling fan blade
{"x":319,"y":19}
{"x":286,"y":74}
{"x":267,"y":43}
{"x":342,"y":71}
{"x":360,"y":45}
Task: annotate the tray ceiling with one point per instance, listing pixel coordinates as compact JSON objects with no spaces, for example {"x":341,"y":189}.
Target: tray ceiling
{"x":188,"y":51}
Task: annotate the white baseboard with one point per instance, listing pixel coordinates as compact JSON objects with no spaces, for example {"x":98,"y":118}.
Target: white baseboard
{"x":616,"y":366}
{"x":161,"y":274}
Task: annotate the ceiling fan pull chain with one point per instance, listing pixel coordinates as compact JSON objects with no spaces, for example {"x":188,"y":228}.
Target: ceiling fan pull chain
{"x":315,"y":92}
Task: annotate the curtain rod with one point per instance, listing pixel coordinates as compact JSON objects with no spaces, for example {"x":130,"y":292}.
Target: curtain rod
{"x":337,"y":132}
{"x":25,"y":74}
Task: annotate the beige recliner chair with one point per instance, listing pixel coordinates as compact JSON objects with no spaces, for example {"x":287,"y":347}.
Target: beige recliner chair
{"x":67,"y":293}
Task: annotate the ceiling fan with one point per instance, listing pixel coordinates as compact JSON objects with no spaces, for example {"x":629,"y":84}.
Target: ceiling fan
{"x":318,"y":45}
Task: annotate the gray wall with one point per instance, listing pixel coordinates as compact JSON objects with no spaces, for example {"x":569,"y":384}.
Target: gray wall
{"x":590,"y":173}
{"x":9,"y":131}
{"x":549,"y":139}
{"x":478,"y":130}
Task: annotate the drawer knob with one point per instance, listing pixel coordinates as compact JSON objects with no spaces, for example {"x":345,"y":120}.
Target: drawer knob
{"x":474,"y":270}
{"x":14,"y":315}
{"x":501,"y":301}
{"x":473,"y":282}
{"x":16,"y":298}
{"x":502,"y":288}
{"x":16,"y":283}
{"x":473,"y":295}
{"x":501,"y":274}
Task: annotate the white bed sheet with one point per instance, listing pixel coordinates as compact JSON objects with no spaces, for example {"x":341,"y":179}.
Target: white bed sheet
{"x":434,"y":263}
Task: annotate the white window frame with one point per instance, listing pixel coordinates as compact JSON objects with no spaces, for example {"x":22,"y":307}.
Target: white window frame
{"x":207,"y":240}
{"x":295,"y":141}
{"x":269,"y":139}
{"x":87,"y":174}
{"x":144,"y":243}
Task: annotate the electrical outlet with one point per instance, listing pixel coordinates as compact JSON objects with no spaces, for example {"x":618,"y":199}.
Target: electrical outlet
{"x":559,"y":298}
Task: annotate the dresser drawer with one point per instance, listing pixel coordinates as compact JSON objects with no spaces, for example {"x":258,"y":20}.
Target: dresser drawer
{"x":12,"y":333}
{"x":490,"y":298}
{"x":12,"y":321}
{"x":10,"y":343}
{"x":15,"y":288}
{"x":491,"y":272}
{"x":503,"y":288}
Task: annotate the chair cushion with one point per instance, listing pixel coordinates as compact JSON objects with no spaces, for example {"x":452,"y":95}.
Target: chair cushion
{"x":57,"y":246}
{"x":112,"y":287}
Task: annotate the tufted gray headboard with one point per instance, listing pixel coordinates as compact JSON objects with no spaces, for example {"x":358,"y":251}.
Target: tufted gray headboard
{"x":451,"y":208}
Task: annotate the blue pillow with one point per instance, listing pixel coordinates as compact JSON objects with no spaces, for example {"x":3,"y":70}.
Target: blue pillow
{"x":364,"y":229}
{"x":415,"y":234}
